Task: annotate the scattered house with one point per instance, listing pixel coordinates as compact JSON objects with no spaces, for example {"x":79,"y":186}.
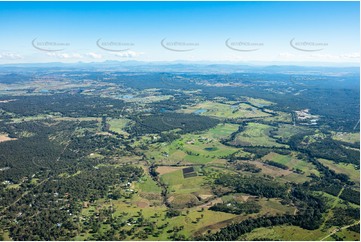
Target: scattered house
{"x":304,"y":115}
{"x":85,"y":204}
{"x":4,"y":168}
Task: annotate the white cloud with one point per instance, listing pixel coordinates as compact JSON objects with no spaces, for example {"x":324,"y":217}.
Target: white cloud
{"x":62,"y":55}
{"x":286,"y":55}
{"x":10,"y":56}
{"x":352,"y":55}
{"x":319,"y":56}
{"x":336,"y":57}
{"x":93,"y":55}
{"x":324,"y":56}
{"x":128,"y":54}
{"x":65,"y":55}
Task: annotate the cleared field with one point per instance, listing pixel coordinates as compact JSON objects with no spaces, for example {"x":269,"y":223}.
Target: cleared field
{"x":273,"y":207}
{"x":195,"y":148}
{"x":185,"y":191}
{"x":258,"y":102}
{"x":57,"y":117}
{"x":148,"y":99}
{"x":347,"y":169}
{"x":222,"y":131}
{"x":281,"y":175}
{"x":118,"y":125}
{"x":291,"y":233}
{"x":147,"y":184}
{"x":346,"y":235}
{"x":5,"y":137}
{"x":292,"y":162}
{"x":221,"y":110}
{"x":178,"y":184}
{"x":330,"y":200}
{"x":168,"y":169}
{"x":285,"y":131}
{"x":256,"y":134}
{"x":280,"y":117}
{"x":346,"y":137}
{"x":270,"y":206}
{"x":129,"y":210}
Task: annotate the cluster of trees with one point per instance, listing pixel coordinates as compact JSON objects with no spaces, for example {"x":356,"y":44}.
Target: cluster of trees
{"x":237,"y":207}
{"x":49,"y":145}
{"x":141,"y":81}
{"x":276,"y":164}
{"x":351,"y":195}
{"x":342,"y":216}
{"x":259,"y":152}
{"x":69,"y":105}
{"x":90,"y":142}
{"x":334,"y":115}
{"x":92,"y":184}
{"x":253,"y":185}
{"x":308,"y":218}
{"x":170,"y":121}
{"x":51,"y":211}
{"x":34,"y":152}
{"x":354,"y":228}
{"x":326,"y":148}
{"x":247,"y":167}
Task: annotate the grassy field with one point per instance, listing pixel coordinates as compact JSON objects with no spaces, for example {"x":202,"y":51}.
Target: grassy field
{"x":346,"y":235}
{"x":196,"y":220}
{"x":346,"y":137}
{"x":279,"y":174}
{"x":270,"y":206}
{"x":222,"y":131}
{"x":221,"y":110}
{"x":330,"y":199}
{"x":195,"y":148}
{"x":180,"y":185}
{"x":148,"y":185}
{"x":280,"y":117}
{"x":258,"y":102}
{"x":118,"y":125}
{"x":256,"y":134}
{"x":292,"y":162}
{"x":285,"y":131}
{"x":193,"y":219}
{"x":291,"y":233}
{"x":347,"y":169}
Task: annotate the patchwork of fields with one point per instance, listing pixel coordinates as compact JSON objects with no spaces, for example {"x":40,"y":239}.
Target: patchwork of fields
{"x":142,"y":163}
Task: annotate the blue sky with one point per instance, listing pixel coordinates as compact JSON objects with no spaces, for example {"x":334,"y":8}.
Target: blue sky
{"x":194,"y":31}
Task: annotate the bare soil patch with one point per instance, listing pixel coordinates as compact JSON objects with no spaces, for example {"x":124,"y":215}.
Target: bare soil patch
{"x":168,"y":169}
{"x":142,"y":204}
{"x":5,"y":137}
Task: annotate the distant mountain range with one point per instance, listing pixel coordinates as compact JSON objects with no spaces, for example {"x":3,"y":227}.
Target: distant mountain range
{"x":187,"y":66}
